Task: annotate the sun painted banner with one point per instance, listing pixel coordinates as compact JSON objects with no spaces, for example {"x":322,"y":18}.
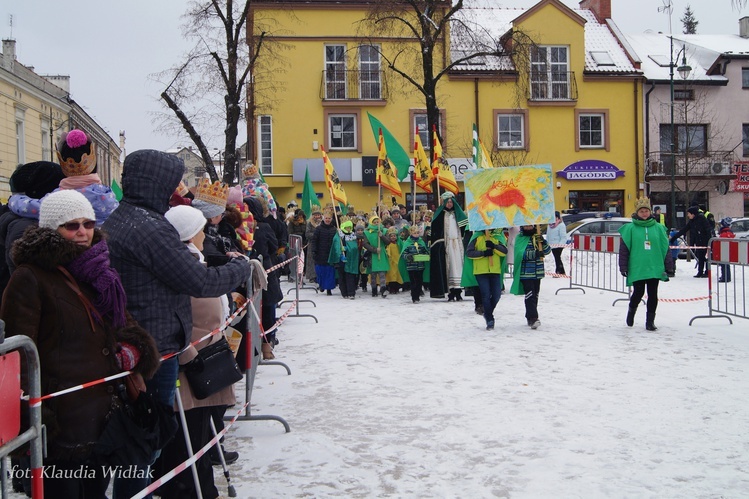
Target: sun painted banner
{"x":509,"y":196}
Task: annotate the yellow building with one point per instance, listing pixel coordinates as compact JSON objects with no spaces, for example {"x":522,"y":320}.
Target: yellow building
{"x":571,"y":97}
{"x":34,"y":111}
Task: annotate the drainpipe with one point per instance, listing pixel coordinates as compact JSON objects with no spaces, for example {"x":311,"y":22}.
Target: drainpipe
{"x":476,"y":102}
{"x":635,"y":83}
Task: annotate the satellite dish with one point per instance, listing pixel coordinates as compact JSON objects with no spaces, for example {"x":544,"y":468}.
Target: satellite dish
{"x":722,"y":188}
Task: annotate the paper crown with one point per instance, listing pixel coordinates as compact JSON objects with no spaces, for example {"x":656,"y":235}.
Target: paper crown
{"x":76,"y":153}
{"x":182,"y":189}
{"x":214,"y":193}
{"x":250,"y":171}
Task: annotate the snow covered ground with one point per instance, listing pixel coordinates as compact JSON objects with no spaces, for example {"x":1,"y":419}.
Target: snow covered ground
{"x":391,"y":399}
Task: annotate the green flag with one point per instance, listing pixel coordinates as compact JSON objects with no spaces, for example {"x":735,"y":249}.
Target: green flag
{"x":116,"y":189}
{"x":396,"y":154}
{"x":309,"y":198}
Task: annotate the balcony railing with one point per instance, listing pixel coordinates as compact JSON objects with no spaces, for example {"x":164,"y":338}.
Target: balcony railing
{"x":557,"y":86}
{"x":353,"y":85}
{"x":696,"y":164}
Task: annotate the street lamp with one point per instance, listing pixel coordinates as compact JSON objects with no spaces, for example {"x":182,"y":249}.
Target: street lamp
{"x":684,"y":71}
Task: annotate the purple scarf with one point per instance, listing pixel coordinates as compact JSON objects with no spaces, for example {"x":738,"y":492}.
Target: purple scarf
{"x":93,"y":268}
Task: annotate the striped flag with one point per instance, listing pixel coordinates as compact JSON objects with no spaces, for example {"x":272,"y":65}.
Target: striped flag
{"x":441,"y":168}
{"x":422,"y":171}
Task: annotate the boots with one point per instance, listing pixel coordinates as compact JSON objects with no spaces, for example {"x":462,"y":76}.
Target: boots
{"x":458,"y":294}
{"x":267,"y":349}
{"x":650,"y":322}
{"x":631,"y":316}
{"x":451,"y":295}
{"x":374,"y":289}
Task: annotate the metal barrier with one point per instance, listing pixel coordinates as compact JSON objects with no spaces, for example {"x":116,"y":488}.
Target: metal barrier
{"x":253,"y":341}
{"x":594,"y":263}
{"x":297,"y":251}
{"x":727,"y":296}
{"x":10,"y":418}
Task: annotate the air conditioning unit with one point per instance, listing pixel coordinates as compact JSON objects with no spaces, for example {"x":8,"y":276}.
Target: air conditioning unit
{"x":721,"y":168}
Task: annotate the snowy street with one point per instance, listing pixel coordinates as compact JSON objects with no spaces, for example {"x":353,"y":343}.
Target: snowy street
{"x":392,"y":399}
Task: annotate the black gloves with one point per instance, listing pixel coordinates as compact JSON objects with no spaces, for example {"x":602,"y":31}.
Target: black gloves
{"x":671,"y":273}
{"x":624,"y":273}
{"x":539,"y":254}
{"x":490,"y":244}
{"x":488,"y":252}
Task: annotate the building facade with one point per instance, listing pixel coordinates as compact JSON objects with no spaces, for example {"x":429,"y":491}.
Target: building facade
{"x":571,"y":98}
{"x":34,"y":111}
{"x":710,"y":125}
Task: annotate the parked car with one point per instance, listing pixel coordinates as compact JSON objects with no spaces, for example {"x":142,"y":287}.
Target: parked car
{"x":570,"y":216}
{"x":740,"y":227}
{"x":599,"y":226}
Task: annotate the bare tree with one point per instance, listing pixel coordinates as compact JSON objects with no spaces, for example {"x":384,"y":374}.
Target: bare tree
{"x":420,"y":58}
{"x":207,"y":90}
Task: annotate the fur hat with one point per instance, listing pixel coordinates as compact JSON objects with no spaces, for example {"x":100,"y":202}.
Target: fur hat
{"x":64,"y":206}
{"x":76,"y":153}
{"x":209,"y":210}
{"x":36,"y":179}
{"x":642,"y":203}
{"x":187,"y":220}
{"x":726,"y":222}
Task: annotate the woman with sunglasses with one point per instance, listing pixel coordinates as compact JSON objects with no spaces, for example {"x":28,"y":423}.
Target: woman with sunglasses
{"x":66,"y":297}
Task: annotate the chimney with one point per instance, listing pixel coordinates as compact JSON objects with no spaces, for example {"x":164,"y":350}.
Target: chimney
{"x":601,"y":8}
{"x":744,"y":27}
{"x":9,"y":54}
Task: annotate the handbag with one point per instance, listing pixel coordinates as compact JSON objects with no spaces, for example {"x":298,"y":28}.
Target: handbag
{"x":135,"y":431}
{"x":215,"y":370}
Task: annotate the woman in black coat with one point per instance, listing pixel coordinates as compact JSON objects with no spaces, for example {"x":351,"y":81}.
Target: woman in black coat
{"x":321,"y":242}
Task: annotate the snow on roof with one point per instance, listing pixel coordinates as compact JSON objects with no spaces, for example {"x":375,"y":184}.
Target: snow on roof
{"x":603,"y":53}
{"x":654,"y":48}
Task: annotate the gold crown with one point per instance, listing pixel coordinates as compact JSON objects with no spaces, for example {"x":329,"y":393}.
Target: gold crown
{"x":182,"y":189}
{"x":73,"y":168}
{"x":215,"y":193}
{"x":250,"y":171}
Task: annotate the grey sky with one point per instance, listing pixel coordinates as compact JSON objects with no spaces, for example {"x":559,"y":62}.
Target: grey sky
{"x":110,"y":48}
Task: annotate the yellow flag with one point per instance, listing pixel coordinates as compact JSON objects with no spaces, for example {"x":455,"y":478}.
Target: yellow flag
{"x":486,"y":159}
{"x":386,"y":173}
{"x":422,"y":170}
{"x":441,"y":168}
{"x":331,"y":179}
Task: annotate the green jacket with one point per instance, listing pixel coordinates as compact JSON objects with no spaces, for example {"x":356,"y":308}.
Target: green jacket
{"x":643,"y":250}
{"x":379,"y":263}
{"x":495,"y":264}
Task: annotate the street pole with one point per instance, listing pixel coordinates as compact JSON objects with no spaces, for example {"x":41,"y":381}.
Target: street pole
{"x":673,"y":138}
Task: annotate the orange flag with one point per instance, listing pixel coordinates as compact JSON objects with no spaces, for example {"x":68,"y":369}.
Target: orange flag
{"x":331,"y":179}
{"x":422,"y":171}
{"x":441,"y":168}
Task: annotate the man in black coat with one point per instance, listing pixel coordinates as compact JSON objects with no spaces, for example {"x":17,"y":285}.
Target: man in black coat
{"x":699,"y":235}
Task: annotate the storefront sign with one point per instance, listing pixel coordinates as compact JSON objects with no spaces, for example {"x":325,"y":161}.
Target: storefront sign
{"x":591,"y":169}
{"x":742,"y":176}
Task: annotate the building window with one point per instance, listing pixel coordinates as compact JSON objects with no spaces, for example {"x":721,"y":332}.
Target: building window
{"x":46,"y":143}
{"x":691,"y":138}
{"x":370,"y":84}
{"x":550,"y":73}
{"x":335,"y":71}
{"x":510,"y":130}
{"x":265,"y":144}
{"x":592,"y":129}
{"x":419,"y":120}
{"x":744,"y":77}
{"x":20,"y":143}
{"x":342,"y":131}
{"x":745,"y":138}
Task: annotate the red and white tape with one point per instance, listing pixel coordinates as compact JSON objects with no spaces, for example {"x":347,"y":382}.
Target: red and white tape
{"x":183,"y":466}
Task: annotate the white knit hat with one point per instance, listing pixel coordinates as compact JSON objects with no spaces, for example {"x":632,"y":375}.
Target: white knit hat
{"x":209,"y":210}
{"x":63,"y":206}
{"x":187,"y":220}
